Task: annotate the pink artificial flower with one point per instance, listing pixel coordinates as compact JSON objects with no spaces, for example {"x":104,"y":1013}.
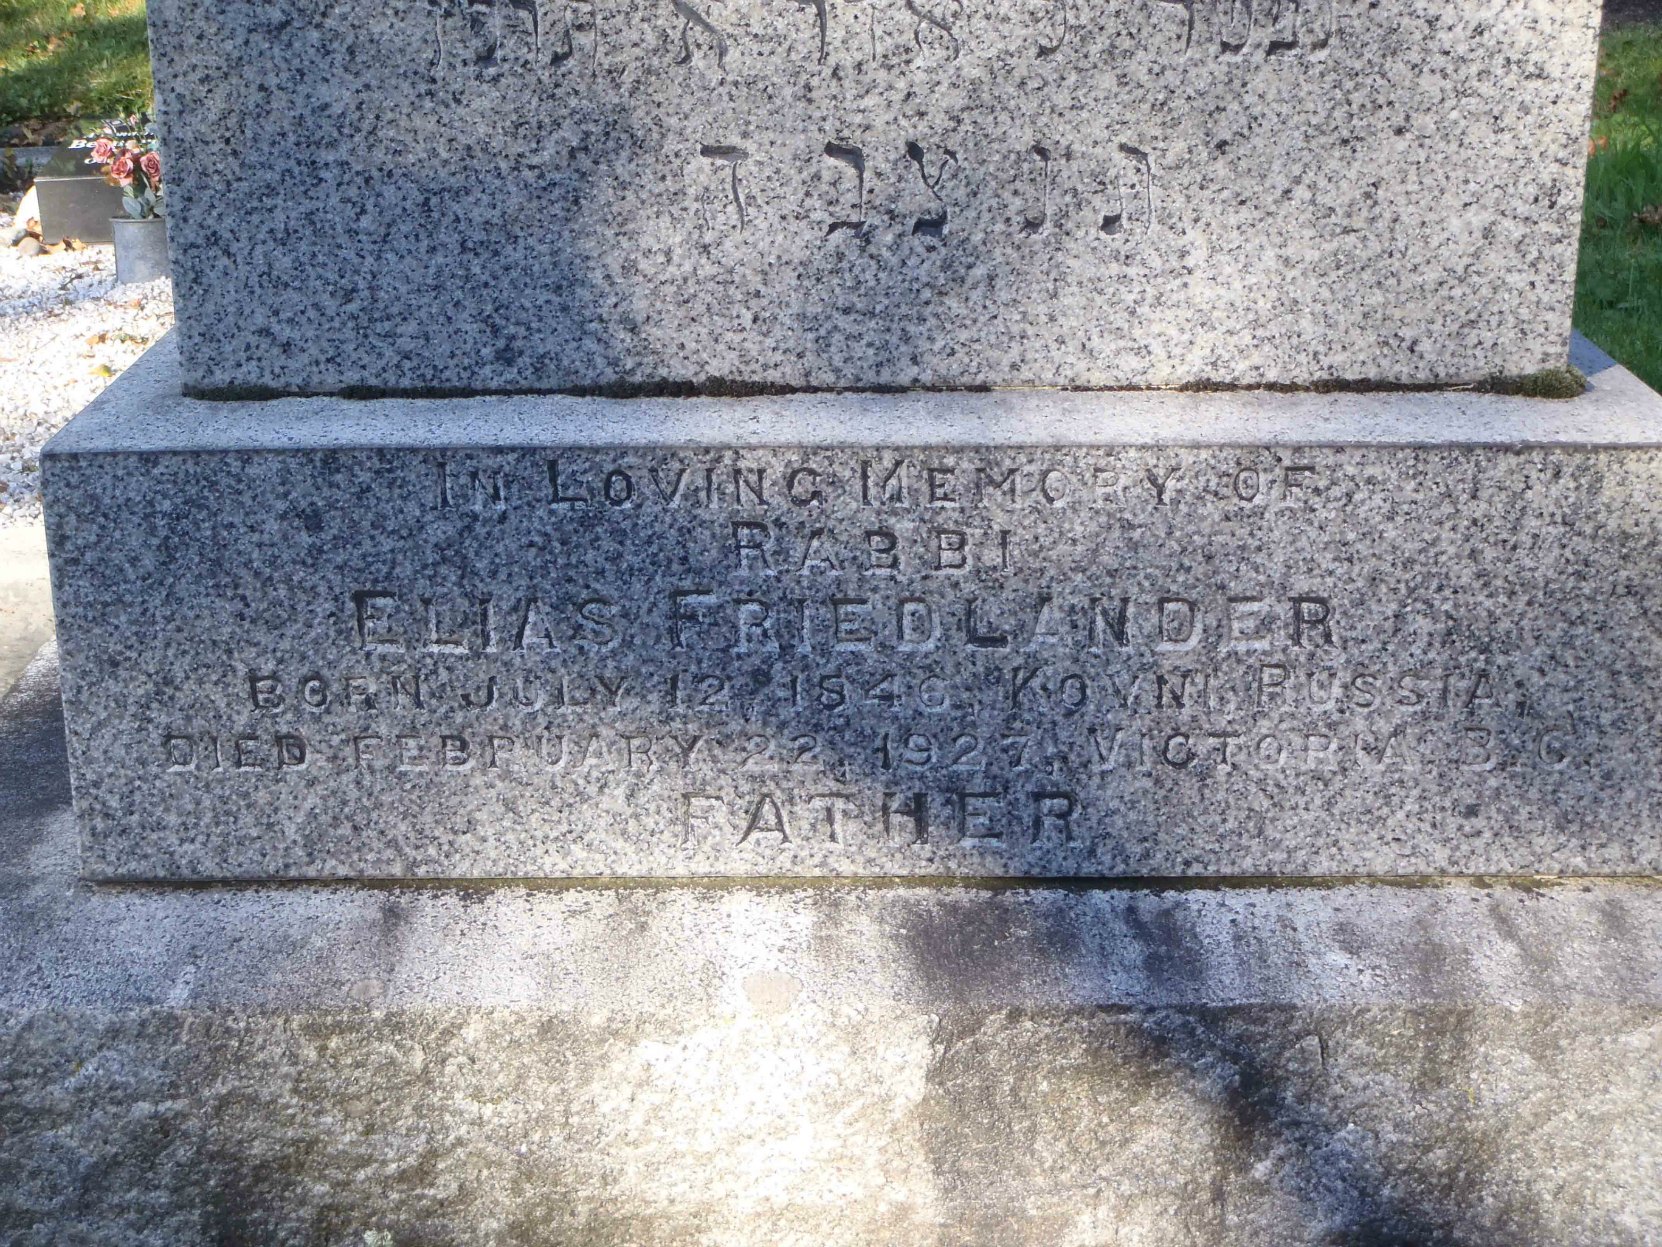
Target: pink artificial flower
{"x":122,"y":170}
{"x":103,"y":151}
{"x":152,"y":166}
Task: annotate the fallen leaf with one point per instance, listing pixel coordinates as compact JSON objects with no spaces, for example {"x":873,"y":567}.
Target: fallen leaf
{"x":1651,"y":216}
{"x":99,"y":338}
{"x":103,"y":370}
{"x":80,"y":10}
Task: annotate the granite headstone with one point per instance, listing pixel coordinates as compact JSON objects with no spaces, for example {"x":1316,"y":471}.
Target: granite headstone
{"x":1000,"y":636}
{"x":639,"y":195}
{"x":895,"y":634}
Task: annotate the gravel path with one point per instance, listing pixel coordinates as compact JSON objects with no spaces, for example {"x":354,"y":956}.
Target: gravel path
{"x":66,"y":330}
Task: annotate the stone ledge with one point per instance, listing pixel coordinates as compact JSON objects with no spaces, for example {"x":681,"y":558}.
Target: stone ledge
{"x":145,"y":412}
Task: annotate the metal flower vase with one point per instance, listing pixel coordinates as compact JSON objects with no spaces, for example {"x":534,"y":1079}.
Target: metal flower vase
{"x":140,"y":249}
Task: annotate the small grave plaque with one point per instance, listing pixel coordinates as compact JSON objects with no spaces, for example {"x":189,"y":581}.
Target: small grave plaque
{"x":75,"y":200}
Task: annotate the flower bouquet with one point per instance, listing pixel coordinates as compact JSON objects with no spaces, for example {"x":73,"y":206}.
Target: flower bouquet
{"x":127,"y":151}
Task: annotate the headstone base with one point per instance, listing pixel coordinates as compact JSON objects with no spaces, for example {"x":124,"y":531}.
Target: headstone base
{"x":1030,"y":634}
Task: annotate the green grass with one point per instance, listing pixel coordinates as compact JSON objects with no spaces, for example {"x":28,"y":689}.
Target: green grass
{"x":70,"y":60}
{"x":1619,"y":290}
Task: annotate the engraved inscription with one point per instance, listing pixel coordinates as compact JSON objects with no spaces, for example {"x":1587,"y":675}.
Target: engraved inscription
{"x":532,"y":34}
{"x":1128,"y":197}
{"x":852,"y":156}
{"x":915,"y":652}
{"x":1235,"y":28}
{"x":731,"y":156}
{"x":576,"y":34}
{"x":1299,"y":25}
{"x":483,"y":19}
{"x":1131,"y":202}
{"x":1034,"y":221}
{"x":1060,"y":24}
{"x":697,"y":29}
{"x":1187,"y":7}
{"x":932,"y":225}
{"x":935,"y":28}
{"x":519,"y":35}
{"x":819,"y":11}
{"x":1066,"y":187}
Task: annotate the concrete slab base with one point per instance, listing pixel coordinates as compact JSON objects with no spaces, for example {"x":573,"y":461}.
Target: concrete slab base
{"x":25,"y":598}
{"x":844,"y":1063}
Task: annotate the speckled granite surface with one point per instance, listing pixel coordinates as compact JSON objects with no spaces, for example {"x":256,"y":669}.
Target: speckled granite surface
{"x":561,"y":193}
{"x":516,"y":637}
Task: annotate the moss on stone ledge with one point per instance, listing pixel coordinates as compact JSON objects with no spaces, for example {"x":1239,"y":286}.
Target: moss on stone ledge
{"x":1556,"y":383}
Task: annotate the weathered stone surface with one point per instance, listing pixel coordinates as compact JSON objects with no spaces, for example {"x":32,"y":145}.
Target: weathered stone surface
{"x":545,"y":194}
{"x":522,"y":1127}
{"x":566,"y":637}
{"x":840,"y":1065}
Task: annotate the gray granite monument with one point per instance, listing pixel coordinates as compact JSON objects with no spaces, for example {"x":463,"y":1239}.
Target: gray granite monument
{"x":612,"y":195}
{"x":700,"y":638}
{"x":1009,"y":633}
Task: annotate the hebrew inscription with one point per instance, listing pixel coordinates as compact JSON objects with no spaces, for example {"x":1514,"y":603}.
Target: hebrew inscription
{"x":869,"y":194}
{"x":498,"y":33}
{"x":1272,"y":28}
{"x":985,"y":662}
